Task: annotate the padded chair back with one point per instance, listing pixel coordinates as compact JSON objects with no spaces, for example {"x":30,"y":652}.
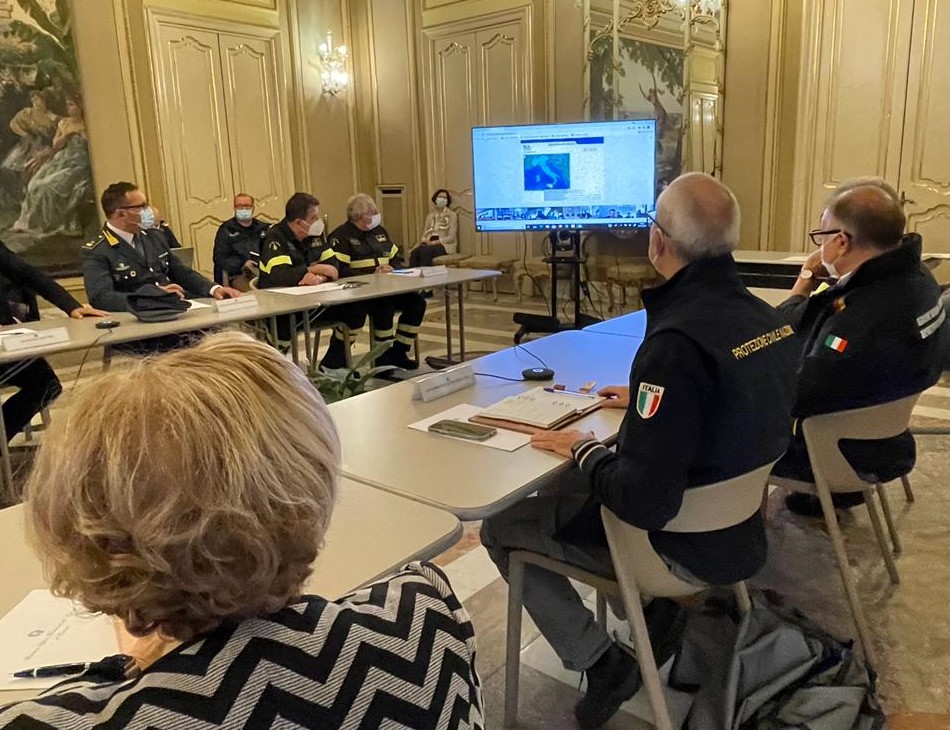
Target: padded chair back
{"x":704,"y":509}
{"x":822,"y":434}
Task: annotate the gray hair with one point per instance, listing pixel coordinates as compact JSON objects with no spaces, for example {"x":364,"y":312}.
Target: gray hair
{"x":701,"y":216}
{"x":359,"y":205}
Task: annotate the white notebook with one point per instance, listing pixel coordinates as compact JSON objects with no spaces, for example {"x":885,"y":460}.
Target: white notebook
{"x":422,"y":271}
{"x":542,"y":408}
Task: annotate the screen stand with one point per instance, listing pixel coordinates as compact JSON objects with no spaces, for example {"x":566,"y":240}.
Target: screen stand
{"x":569,"y":244}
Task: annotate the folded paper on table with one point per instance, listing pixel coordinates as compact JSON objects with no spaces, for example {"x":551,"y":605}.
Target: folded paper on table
{"x":299,"y":291}
{"x":194,"y":304}
{"x":540,"y":408}
{"x":43,"y":630}
{"x":422,"y":271}
{"x":505,"y":439}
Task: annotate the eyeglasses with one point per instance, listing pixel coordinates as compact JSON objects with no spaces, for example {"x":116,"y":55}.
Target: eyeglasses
{"x":140,"y":206}
{"x":813,"y":235}
{"x":655,"y":222}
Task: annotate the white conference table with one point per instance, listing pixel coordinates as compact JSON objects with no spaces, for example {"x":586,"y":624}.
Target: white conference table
{"x":372,"y":533}
{"x":626,"y":325}
{"x":471,"y":480}
{"x":83,"y":333}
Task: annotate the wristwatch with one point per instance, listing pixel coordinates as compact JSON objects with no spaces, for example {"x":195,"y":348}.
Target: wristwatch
{"x":805,"y":273}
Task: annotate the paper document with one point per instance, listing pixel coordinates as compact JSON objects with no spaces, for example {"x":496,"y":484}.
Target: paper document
{"x":299,"y":291}
{"x":195,"y":304}
{"x":796,"y":259}
{"x":504,"y":439}
{"x":422,"y":271}
{"x":542,"y":408}
{"x":43,"y":630}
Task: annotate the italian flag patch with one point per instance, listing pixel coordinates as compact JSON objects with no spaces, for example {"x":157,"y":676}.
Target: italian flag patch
{"x":836,"y":343}
{"x":648,"y":399}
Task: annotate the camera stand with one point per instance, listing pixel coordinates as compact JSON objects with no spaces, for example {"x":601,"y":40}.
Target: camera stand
{"x":565,"y":249}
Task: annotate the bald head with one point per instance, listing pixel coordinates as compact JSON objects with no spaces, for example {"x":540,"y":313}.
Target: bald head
{"x":700,"y":215}
{"x":870,"y":212}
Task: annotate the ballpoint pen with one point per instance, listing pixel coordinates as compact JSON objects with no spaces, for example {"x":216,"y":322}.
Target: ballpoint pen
{"x":569,"y":392}
{"x":113,"y":668}
{"x":53,"y":670}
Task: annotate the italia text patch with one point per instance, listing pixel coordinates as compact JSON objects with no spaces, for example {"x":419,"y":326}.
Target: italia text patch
{"x":648,"y":399}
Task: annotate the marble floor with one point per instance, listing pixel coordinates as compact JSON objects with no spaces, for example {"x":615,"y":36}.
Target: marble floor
{"x":910,"y":622}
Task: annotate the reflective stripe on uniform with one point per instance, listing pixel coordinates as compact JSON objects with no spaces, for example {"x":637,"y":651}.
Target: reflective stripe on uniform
{"x":384,"y":334}
{"x":404,"y":339}
{"x":341,"y":257}
{"x":363,"y":264}
{"x":408,"y":328}
{"x":328,"y":254}
{"x":282,"y":260}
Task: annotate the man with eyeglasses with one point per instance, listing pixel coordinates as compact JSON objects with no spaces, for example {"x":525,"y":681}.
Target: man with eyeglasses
{"x":130,"y":252}
{"x":872,"y":330}
{"x":708,"y":399}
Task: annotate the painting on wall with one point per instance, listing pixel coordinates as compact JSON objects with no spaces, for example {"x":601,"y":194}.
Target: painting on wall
{"x":648,"y":85}
{"x":47,"y":198}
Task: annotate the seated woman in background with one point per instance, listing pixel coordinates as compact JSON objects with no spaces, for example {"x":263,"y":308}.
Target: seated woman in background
{"x":197,"y":531}
{"x":439,"y":234}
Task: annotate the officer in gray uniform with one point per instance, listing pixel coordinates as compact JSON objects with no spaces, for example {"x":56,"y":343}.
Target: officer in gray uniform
{"x":128,"y":253}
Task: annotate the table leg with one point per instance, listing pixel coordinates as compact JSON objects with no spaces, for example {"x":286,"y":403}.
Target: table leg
{"x":306,"y":333}
{"x":461,"y":325}
{"x":7,"y":469}
{"x":294,"y":347}
{"x":448,"y":322}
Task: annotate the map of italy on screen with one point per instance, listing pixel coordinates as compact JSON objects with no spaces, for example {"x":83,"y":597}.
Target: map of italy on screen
{"x":580,"y":175}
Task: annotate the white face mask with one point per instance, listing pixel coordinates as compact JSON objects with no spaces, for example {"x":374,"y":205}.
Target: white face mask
{"x":830,"y":268}
{"x":441,"y":202}
{"x":243,"y":214}
{"x":375,"y":221}
{"x":147,"y":218}
{"x":316,"y":228}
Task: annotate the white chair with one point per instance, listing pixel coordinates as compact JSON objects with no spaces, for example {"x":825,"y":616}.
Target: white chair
{"x":640,"y":572}
{"x":833,"y":473}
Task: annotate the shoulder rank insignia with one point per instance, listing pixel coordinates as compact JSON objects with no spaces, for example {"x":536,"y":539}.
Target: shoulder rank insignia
{"x":93,"y":243}
{"x":648,"y":399}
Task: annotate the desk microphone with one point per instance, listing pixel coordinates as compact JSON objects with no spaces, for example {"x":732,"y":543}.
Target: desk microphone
{"x":537,"y":374}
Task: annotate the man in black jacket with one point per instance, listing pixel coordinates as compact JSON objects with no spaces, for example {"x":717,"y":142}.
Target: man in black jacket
{"x":295,"y":253}
{"x":363,"y":246}
{"x":129,"y":252}
{"x":878,"y":334}
{"x":709,"y":399}
{"x":237,"y":244}
{"x":35,"y":379}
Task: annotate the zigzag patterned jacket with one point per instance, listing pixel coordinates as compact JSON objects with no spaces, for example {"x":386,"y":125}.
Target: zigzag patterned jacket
{"x":399,"y":653}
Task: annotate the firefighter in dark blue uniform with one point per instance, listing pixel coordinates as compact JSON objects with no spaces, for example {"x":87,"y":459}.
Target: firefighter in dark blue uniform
{"x":877,"y":334}
{"x":363,"y":246}
{"x":295,"y":253}
{"x":237,"y":245}
{"x":709,"y":399}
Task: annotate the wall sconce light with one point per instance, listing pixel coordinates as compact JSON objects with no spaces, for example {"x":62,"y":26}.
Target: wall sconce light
{"x":333,"y":74}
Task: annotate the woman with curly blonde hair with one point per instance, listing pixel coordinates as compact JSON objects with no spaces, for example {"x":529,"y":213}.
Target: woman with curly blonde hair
{"x":150,"y":502}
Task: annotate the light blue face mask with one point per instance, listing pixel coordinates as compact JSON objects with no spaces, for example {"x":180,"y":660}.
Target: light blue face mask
{"x":147,"y":218}
{"x":243,"y":214}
